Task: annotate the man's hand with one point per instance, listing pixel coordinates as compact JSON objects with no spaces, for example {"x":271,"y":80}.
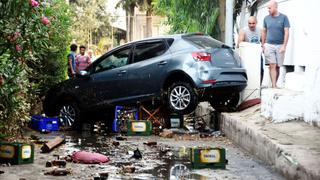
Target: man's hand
{"x":262,"y":46}
{"x":73,"y":74}
{"x":282,"y":49}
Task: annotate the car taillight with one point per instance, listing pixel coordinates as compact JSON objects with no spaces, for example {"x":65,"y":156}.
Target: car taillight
{"x":210,"y":81}
{"x":201,"y":56}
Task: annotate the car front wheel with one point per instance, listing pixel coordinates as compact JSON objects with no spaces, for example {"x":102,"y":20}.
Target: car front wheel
{"x":182,"y":98}
{"x":69,"y":115}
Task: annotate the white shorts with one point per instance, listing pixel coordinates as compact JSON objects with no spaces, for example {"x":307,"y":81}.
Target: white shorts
{"x":272,"y":54}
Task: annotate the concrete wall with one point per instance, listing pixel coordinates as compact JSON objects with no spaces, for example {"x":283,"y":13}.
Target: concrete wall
{"x":311,"y":106}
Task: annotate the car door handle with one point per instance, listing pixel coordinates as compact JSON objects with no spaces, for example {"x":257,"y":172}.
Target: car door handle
{"x":161,"y":63}
{"x":121,"y":72}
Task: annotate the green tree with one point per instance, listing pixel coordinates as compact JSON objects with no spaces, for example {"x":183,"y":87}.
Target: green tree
{"x":190,"y":15}
{"x":14,"y":101}
{"x":91,"y":21}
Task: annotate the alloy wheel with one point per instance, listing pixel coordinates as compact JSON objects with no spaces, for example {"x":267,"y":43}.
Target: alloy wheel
{"x":180,"y":97}
{"x":67,"y":115}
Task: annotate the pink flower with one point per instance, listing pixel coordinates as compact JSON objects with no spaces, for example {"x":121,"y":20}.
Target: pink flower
{"x":17,"y":34}
{"x":34,"y":3}
{"x":45,"y":20}
{"x":13,"y":37}
{"x":18,"y":47}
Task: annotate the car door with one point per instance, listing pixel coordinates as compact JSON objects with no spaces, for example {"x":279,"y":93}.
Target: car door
{"x":109,"y":76}
{"x":147,"y":68}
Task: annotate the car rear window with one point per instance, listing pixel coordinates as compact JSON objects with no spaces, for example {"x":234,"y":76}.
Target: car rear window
{"x":169,"y":41}
{"x":202,"y":41}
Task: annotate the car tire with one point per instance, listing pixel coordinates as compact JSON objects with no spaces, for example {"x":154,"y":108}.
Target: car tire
{"x":225,"y":103}
{"x":69,"y":115}
{"x":182,"y":98}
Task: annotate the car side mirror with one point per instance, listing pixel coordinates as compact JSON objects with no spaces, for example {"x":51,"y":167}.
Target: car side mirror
{"x":83,"y":74}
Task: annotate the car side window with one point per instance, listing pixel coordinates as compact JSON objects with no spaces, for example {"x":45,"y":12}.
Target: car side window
{"x":116,"y":59}
{"x":149,"y":50}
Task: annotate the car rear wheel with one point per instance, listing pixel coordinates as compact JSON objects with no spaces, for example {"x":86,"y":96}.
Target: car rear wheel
{"x":225,"y":102}
{"x":69,"y":115}
{"x":181,"y":98}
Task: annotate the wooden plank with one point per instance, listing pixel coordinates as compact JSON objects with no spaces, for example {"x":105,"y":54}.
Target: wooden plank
{"x":47,"y":147}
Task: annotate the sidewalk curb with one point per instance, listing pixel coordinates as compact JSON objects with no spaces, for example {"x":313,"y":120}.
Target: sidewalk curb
{"x":250,"y":137}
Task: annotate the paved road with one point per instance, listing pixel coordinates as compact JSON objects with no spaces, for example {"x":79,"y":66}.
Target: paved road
{"x":154,"y":165}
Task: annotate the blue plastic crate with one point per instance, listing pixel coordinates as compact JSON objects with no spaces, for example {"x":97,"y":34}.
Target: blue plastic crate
{"x":119,"y":110}
{"x":41,"y":123}
{"x":128,"y":110}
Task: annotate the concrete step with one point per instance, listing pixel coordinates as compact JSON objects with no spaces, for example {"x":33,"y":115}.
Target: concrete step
{"x":280,"y":105}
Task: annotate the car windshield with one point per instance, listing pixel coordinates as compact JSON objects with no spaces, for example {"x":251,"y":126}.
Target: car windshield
{"x":204,"y":42}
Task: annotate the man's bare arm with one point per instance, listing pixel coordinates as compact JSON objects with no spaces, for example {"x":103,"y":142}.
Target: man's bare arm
{"x":285,"y":40}
{"x":240,"y":38}
{"x":70,"y":65}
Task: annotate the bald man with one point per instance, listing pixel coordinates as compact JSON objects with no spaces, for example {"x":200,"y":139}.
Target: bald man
{"x":275,"y":35}
{"x":251,"y":33}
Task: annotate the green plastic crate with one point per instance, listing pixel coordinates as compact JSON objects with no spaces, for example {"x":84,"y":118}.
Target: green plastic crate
{"x":16,"y":153}
{"x":210,"y":157}
{"x":139,"y":128}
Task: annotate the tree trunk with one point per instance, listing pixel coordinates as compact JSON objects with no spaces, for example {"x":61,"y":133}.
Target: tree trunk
{"x":131,"y":14}
{"x":149,"y":18}
{"x":222,"y":19}
{"x":127,"y":27}
{"x":149,"y":23}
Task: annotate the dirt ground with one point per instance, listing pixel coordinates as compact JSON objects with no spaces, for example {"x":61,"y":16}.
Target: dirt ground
{"x":153,"y":165}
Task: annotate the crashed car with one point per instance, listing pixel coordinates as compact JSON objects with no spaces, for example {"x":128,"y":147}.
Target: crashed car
{"x":179,"y":70}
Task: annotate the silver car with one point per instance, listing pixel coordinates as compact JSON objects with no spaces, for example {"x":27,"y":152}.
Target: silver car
{"x":178,"y":70}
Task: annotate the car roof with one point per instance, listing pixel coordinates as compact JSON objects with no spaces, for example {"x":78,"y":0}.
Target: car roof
{"x":173,"y":36}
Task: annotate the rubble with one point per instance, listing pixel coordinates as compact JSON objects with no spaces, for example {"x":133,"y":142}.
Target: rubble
{"x":115,"y":143}
{"x":166,"y":133}
{"x":150,"y":143}
{"x":37,"y":140}
{"x":120,"y":138}
{"x":58,"y":163}
{"x":128,"y":169}
{"x":102,"y":176}
{"x":58,"y":172}
{"x":68,"y":158}
{"x":164,"y":150}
